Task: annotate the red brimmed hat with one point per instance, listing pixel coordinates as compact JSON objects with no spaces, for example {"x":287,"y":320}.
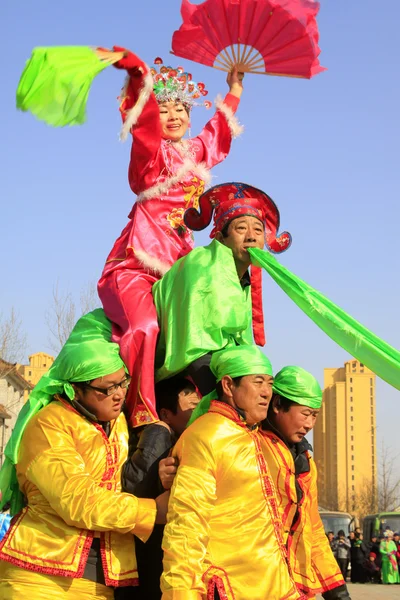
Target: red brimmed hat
{"x":230,"y":201}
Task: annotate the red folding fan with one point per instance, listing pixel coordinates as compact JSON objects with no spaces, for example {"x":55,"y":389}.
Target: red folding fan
{"x":272,"y":37}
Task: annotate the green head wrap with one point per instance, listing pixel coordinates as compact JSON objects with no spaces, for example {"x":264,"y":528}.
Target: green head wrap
{"x":238,"y":361}
{"x":87,"y":354}
{"x":298,"y":385}
{"x":235,"y":361}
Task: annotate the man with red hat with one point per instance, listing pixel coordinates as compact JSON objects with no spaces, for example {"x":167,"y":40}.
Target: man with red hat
{"x":205,"y":301}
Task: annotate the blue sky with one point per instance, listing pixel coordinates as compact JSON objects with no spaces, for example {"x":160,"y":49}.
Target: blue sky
{"x":326,"y":150}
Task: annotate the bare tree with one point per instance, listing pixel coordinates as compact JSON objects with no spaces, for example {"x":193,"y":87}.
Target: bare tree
{"x":389,"y":482}
{"x":12,"y":340}
{"x":63,"y":313}
{"x":366,"y":500}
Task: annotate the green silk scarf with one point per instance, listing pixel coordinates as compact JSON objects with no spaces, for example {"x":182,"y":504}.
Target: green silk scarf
{"x":298,"y":385}
{"x":55,"y":83}
{"x":357,"y":340}
{"x":201,"y":308}
{"x":235,"y":361}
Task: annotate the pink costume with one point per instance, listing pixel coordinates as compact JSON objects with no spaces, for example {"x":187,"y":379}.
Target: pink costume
{"x":168,"y":178}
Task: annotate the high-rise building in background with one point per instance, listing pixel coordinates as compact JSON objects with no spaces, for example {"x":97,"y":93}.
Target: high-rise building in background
{"x":39,"y":364}
{"x":345,"y":440}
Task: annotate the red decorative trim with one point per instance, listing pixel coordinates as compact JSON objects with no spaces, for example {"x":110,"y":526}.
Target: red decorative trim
{"x":217,"y":582}
{"x":87,"y":535}
{"x":222,"y":408}
{"x":23,"y":564}
{"x":275,"y":443}
{"x":270,"y":497}
{"x":108,"y":577}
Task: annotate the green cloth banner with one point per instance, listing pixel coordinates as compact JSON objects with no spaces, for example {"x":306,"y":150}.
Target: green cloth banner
{"x":55,"y":83}
{"x":357,"y":340}
{"x":201,"y":307}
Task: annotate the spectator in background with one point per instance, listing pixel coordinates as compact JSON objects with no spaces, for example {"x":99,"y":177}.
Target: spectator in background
{"x":373,"y":546}
{"x":388,"y":550}
{"x":342,"y":552}
{"x":351,"y":538}
{"x":358,"y":556}
{"x":331,"y":539}
{"x":396,"y":539}
{"x":372,"y":569}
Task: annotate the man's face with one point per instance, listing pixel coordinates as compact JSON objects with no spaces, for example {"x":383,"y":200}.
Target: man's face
{"x":252,"y":395}
{"x":186,"y":404}
{"x":243,"y":232}
{"x":294,"y":424}
{"x":104,"y":407}
{"x":330,"y":536}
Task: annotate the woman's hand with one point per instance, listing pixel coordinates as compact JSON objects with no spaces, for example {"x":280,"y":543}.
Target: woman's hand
{"x":234,"y":81}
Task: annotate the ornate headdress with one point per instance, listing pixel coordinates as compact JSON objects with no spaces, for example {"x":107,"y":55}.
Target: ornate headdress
{"x":229,"y":201}
{"x":176,"y":85}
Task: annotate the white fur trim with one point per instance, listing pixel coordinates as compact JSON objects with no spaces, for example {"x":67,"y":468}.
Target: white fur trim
{"x":136,"y":110}
{"x":163,"y":187}
{"x":234,"y":125}
{"x":152,"y":263}
{"x":203,"y":172}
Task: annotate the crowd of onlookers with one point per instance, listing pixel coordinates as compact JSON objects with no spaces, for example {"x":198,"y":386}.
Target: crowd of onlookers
{"x":376,"y":561}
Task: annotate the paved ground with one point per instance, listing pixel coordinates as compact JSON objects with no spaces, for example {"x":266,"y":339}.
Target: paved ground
{"x":372,"y":592}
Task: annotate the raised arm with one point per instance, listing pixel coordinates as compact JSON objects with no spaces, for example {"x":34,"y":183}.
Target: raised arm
{"x":140,"y":116}
{"x":186,"y":533}
{"x":218,"y":133}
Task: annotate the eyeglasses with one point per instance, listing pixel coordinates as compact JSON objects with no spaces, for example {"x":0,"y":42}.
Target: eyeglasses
{"x":124,"y":384}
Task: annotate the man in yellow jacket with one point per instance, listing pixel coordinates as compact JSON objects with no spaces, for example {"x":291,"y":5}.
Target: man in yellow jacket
{"x":74,"y":537}
{"x":292,"y":413}
{"x":223,"y":537}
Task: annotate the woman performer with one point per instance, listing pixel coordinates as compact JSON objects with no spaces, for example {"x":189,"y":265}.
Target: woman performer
{"x":388,"y":550}
{"x":168,"y":174}
{"x":74,"y":538}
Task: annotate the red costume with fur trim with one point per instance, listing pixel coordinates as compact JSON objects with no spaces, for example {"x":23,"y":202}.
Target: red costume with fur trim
{"x":168,"y":178}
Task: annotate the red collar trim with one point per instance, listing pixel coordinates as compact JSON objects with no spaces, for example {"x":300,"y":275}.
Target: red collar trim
{"x":222,"y":408}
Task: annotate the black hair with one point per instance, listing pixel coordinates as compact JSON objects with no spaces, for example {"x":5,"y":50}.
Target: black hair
{"x":220,"y":391}
{"x":281,"y":403}
{"x":224,"y":231}
{"x":168,"y":390}
{"x":341,"y":533}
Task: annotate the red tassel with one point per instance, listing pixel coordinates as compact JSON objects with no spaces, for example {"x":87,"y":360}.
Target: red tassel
{"x":257,"y":308}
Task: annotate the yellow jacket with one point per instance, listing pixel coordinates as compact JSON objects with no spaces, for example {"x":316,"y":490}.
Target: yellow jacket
{"x":223,"y":529}
{"x":70,"y":473}
{"x":314,"y":567}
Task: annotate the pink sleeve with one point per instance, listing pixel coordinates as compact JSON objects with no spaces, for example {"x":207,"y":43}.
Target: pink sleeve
{"x":145,"y":164}
{"x":217,"y":134}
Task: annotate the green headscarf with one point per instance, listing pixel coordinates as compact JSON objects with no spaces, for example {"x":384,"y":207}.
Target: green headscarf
{"x":235,"y":361}
{"x":238,"y":361}
{"x":87,"y":354}
{"x":298,"y":385}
